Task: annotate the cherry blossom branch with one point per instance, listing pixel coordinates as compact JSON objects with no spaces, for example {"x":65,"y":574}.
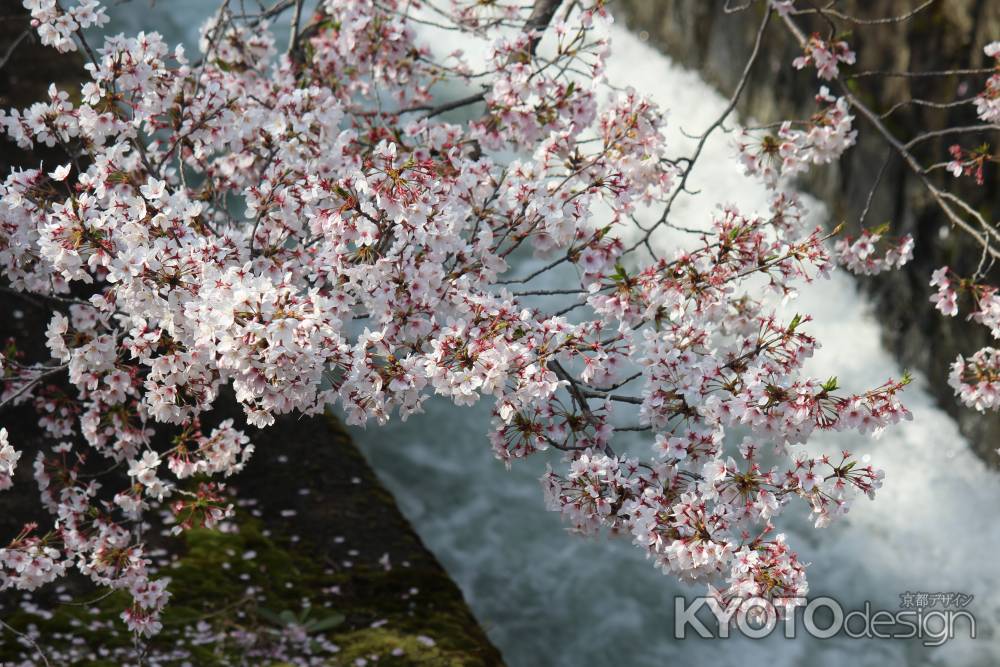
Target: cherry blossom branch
{"x":47,"y":373}
{"x":47,"y":297}
{"x":982,"y":238}
{"x":924,"y":136}
{"x":579,"y":397}
{"x":30,"y":641}
{"x":539,"y":19}
{"x":926,"y":103}
{"x":703,"y":138}
{"x":900,"y":74}
{"x":293,"y":38}
{"x":364,"y":258}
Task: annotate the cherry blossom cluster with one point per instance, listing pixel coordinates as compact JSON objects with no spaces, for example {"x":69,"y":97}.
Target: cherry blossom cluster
{"x":794,"y":149}
{"x":751,"y":578}
{"x":861,"y":255}
{"x":309,"y":230}
{"x":976,"y":380}
{"x":8,"y":461}
{"x":30,"y":561}
{"x":985,"y":298}
{"x":987,"y":307}
{"x":767,"y":156}
{"x":56,"y":27}
{"x":825,"y":56}
{"x":988,"y":101}
{"x":945,"y":299}
{"x":972,"y":162}
{"x":695,"y":506}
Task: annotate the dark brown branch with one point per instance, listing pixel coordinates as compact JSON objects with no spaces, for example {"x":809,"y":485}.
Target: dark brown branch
{"x":32,"y":383}
{"x":293,"y":38}
{"x":538,"y":21}
{"x":853,"y":19}
{"x":944,"y":72}
{"x":579,"y":397}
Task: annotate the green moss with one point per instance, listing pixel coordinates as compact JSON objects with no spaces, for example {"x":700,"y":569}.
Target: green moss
{"x":411,"y":651}
{"x":210,"y":583}
{"x":255,"y":579}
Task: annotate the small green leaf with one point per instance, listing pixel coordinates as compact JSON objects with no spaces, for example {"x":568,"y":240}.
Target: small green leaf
{"x":882,"y":229}
{"x":270,"y":616}
{"x":327,"y":623}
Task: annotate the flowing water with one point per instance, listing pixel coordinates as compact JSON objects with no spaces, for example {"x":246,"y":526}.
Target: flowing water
{"x":549,"y":598}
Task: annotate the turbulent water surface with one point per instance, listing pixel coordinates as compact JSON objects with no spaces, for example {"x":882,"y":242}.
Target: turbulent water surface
{"x":548,"y":598}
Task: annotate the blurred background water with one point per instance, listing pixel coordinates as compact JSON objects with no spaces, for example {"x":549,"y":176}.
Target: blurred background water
{"x":549,"y":598}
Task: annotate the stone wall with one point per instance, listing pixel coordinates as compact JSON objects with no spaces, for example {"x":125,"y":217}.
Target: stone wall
{"x":949,"y":34}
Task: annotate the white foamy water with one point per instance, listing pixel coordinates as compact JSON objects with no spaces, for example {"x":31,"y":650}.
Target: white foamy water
{"x":549,"y":598}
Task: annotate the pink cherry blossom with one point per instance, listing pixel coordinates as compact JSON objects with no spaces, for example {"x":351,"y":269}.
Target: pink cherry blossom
{"x":825,"y":56}
{"x":312,"y":228}
{"x":860,"y":256}
{"x":946,"y":298}
{"x":8,"y":461}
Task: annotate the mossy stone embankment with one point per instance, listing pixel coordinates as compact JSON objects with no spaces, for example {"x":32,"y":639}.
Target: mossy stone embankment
{"x":314,"y":483}
{"x":319,"y":567}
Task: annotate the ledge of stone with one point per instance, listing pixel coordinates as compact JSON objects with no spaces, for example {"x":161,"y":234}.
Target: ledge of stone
{"x":315,"y":530}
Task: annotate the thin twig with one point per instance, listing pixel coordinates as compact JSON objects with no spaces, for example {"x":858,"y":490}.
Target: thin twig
{"x":293,"y":39}
{"x":10,"y":50}
{"x":733,"y":100}
{"x":947,"y":72}
{"x":948,"y":130}
{"x":34,"y":645}
{"x":49,"y":373}
{"x":853,"y":19}
{"x":871,"y":193}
